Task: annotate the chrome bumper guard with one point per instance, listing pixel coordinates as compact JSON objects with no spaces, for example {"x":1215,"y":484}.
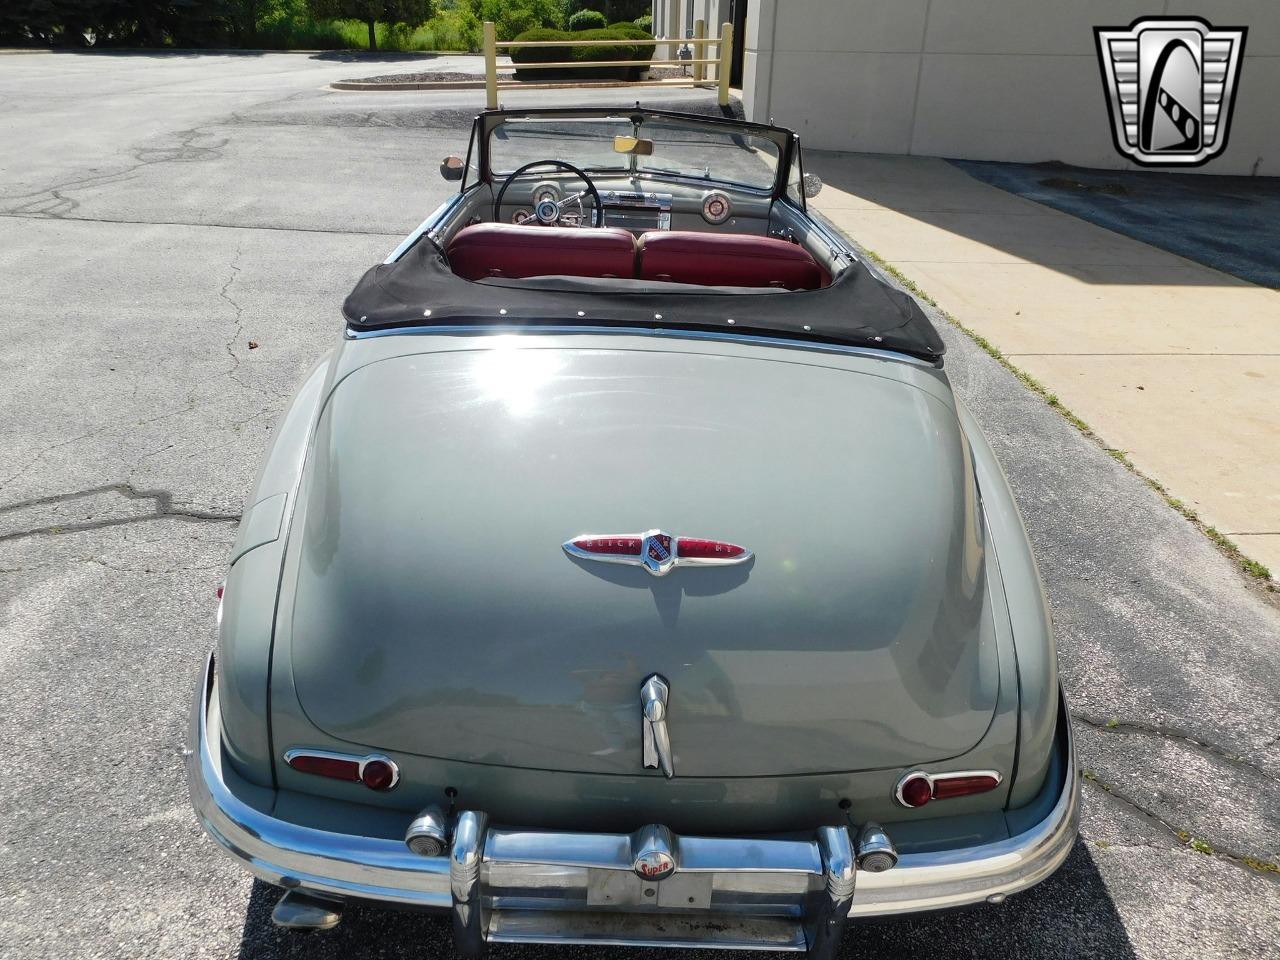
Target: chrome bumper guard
{"x":528,"y":886}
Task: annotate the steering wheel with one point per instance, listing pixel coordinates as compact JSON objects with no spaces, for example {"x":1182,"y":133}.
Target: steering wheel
{"x":548,"y":212}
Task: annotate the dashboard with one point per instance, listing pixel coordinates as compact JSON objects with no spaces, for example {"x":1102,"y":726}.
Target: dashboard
{"x":642,"y":210}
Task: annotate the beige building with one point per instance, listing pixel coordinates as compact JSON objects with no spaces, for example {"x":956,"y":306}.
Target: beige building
{"x":976,"y":79}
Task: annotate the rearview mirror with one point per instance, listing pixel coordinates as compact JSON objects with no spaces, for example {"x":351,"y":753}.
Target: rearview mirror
{"x":451,"y":168}
{"x":633,"y":146}
{"x":812,"y":185}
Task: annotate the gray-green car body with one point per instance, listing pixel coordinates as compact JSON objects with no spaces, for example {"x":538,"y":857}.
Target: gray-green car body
{"x":399,"y":590}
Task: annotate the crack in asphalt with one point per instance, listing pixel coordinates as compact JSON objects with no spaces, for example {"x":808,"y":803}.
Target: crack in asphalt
{"x":99,"y":561}
{"x":184,"y":152}
{"x":1255,"y":866}
{"x":163,"y":510}
{"x":187,"y":223}
{"x":229,"y":345}
{"x":239,"y":319}
{"x":1174,"y":734}
{"x":187,"y":407}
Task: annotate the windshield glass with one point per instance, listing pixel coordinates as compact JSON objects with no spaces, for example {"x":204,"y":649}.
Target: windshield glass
{"x":680,"y":148}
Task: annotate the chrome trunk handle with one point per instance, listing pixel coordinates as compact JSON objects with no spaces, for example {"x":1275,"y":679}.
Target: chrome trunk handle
{"x":657,"y":741}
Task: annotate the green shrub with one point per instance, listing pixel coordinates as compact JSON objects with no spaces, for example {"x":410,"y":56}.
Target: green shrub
{"x":630,"y":31}
{"x":516,"y":21}
{"x":513,"y":17}
{"x":587,"y":20}
{"x":624,"y":51}
{"x":613,"y":9}
{"x":566,"y":53}
{"x":540,"y":54}
{"x":645,"y":23}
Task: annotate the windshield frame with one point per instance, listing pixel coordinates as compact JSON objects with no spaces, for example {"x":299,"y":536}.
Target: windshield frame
{"x":786,"y":142}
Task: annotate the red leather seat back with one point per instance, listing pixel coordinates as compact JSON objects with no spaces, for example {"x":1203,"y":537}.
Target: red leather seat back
{"x":515,"y":250}
{"x":728,"y":259}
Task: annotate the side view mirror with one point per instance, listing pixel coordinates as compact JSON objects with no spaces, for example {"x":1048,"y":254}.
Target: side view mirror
{"x":451,"y":168}
{"x":812,"y":185}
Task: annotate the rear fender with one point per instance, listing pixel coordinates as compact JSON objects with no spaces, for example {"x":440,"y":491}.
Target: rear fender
{"x":1029,"y":618}
{"x":247,"y":613}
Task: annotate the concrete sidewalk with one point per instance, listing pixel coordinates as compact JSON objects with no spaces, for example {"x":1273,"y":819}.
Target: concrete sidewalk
{"x":1174,"y":363}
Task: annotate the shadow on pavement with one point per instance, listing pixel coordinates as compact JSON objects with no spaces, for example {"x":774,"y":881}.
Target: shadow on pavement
{"x":332,"y":56}
{"x":1228,"y":223}
{"x":978,"y":203}
{"x":154,"y":52}
{"x":1068,"y":917}
{"x":361,"y":56}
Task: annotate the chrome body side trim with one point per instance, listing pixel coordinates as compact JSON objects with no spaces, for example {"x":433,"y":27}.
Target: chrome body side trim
{"x":373,"y":868}
{"x":507,"y":329}
{"x":438,"y":214}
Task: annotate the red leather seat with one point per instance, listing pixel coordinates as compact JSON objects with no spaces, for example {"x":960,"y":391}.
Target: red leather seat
{"x":728,"y":259}
{"x":515,"y":250}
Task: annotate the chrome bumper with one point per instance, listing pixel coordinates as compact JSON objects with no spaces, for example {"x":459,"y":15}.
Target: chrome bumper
{"x":511,"y":885}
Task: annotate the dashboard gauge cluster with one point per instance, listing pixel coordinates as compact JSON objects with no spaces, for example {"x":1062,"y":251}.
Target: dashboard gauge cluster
{"x":546,"y":191}
{"x":716,"y":207}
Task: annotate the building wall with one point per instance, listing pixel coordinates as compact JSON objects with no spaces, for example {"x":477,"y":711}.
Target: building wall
{"x":671,"y":19}
{"x":981,"y":79}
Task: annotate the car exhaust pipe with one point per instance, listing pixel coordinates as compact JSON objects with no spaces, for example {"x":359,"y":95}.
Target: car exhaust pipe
{"x":428,"y":834}
{"x":876,"y":852}
{"x":304,"y":911}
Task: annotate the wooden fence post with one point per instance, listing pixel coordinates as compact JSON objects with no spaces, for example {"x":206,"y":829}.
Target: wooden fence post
{"x":699,"y":50}
{"x":490,"y":66}
{"x":726,"y":59}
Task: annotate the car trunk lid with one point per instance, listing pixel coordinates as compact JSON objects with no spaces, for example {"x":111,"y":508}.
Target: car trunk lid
{"x":436,"y":613}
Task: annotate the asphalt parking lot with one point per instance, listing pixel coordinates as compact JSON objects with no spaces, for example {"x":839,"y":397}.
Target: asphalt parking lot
{"x":176,"y":234}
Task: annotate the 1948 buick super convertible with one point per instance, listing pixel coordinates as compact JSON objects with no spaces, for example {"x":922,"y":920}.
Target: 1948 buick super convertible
{"x":629,"y":573}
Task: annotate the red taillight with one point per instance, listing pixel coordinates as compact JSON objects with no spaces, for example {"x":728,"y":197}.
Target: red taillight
{"x":339,"y":768}
{"x":915,"y":790}
{"x":964,"y":785}
{"x":695,"y":548}
{"x":378,"y":775}
{"x":220,"y":589}
{"x":918,"y":788}
{"x":375,"y":772}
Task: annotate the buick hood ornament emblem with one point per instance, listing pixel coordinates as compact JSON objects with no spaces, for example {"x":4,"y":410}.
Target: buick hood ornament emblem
{"x":655,"y":550}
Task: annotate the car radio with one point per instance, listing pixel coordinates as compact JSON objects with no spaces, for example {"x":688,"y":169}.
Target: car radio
{"x":637,"y":212}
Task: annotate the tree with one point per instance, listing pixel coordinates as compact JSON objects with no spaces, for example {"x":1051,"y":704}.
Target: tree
{"x":412,"y":13}
{"x":516,"y":16}
{"x":614,"y":11}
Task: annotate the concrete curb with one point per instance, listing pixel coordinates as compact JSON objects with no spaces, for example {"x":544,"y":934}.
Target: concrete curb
{"x":507,"y":85}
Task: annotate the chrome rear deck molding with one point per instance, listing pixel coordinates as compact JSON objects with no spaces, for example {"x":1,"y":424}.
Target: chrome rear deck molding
{"x":489,"y":330}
